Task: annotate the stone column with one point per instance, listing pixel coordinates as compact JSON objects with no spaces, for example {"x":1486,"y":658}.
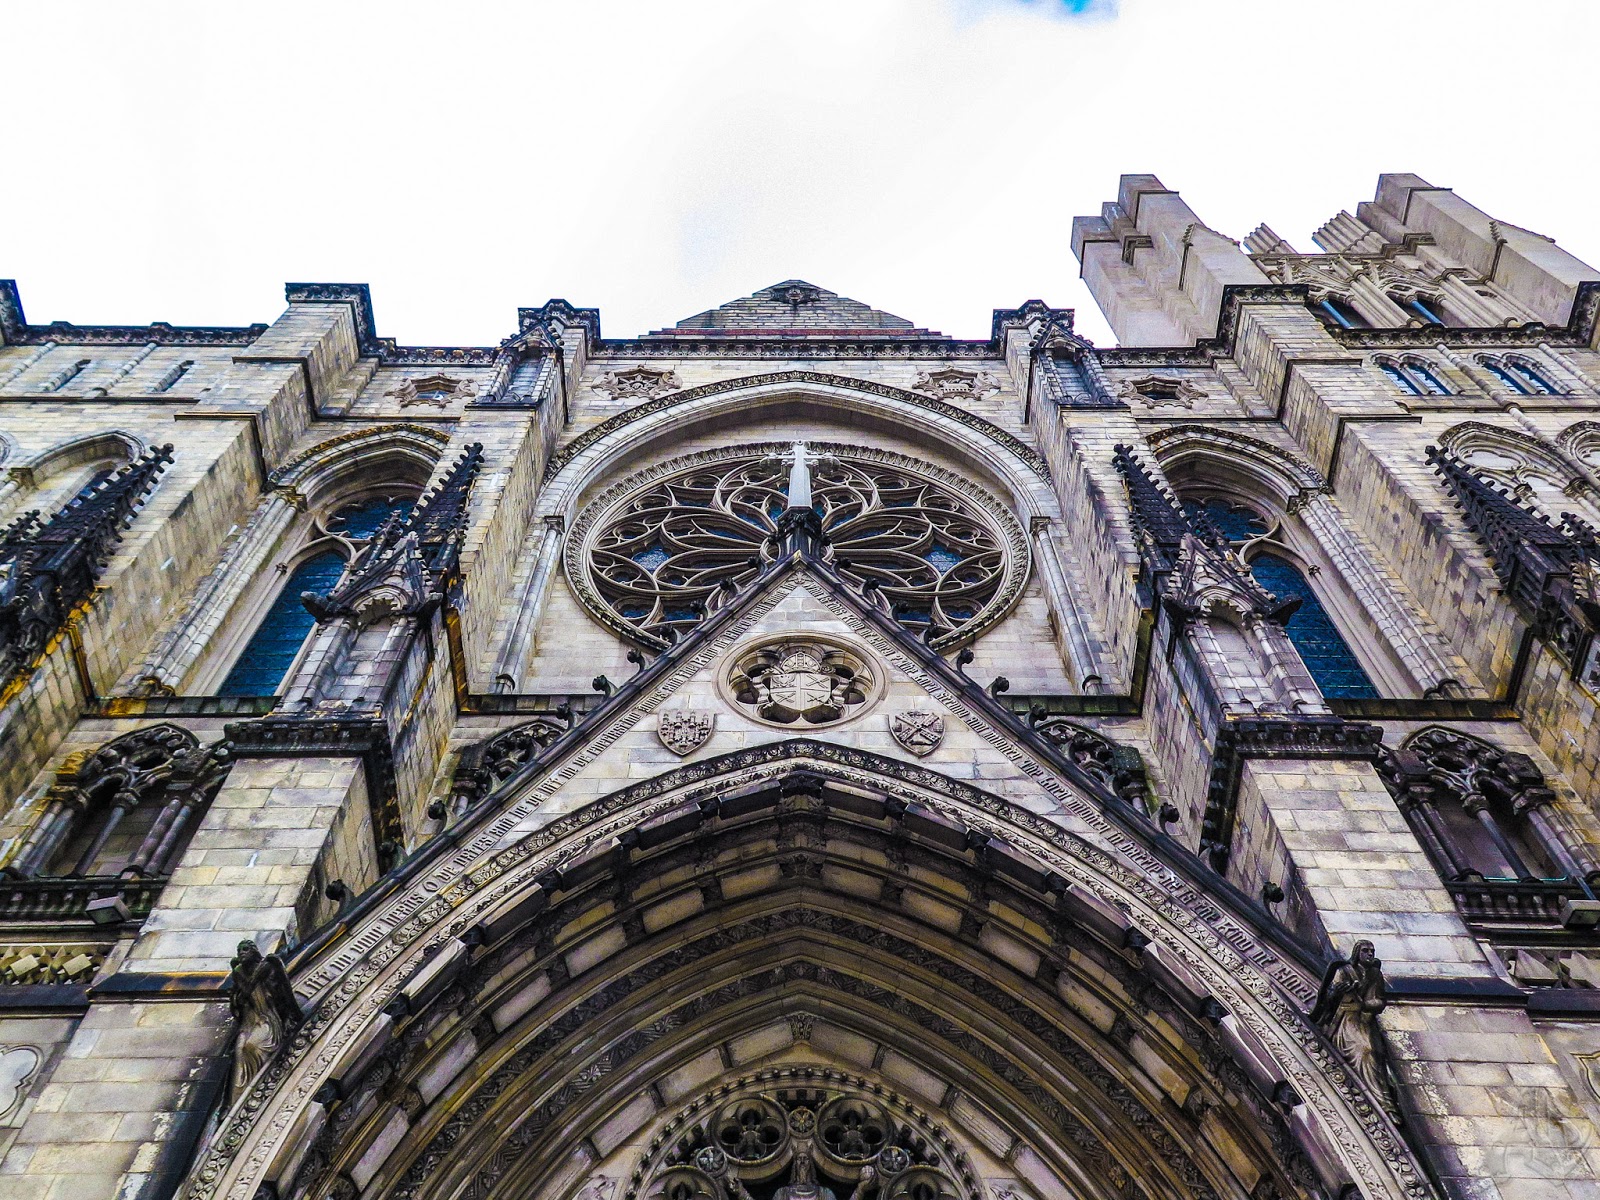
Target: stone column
{"x":1072,"y":634}
{"x":521,"y":637}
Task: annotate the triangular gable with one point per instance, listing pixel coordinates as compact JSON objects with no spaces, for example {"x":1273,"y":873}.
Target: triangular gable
{"x":795,"y":308}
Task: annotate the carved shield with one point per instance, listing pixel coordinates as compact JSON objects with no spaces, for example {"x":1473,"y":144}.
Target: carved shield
{"x":685,"y":730}
{"x":917,"y":731}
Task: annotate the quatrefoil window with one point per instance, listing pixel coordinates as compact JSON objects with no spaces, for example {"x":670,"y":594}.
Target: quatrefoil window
{"x":657,"y":553}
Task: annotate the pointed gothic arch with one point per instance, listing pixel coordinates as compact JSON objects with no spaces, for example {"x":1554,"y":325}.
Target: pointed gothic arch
{"x":799,"y":905}
{"x":1314,"y":552}
{"x":991,"y":454}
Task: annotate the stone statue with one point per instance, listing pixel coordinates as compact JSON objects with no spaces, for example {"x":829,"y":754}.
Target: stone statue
{"x":265,"y":1009}
{"x":1347,"y":1008}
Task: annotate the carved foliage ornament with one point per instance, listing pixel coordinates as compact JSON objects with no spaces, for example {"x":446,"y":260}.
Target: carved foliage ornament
{"x":435,"y":390}
{"x":638,"y":383}
{"x":656,"y":554}
{"x":956,"y":383}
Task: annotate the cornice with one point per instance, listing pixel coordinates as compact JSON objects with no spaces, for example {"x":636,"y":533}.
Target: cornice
{"x":17,"y":332}
{"x":794,"y":347}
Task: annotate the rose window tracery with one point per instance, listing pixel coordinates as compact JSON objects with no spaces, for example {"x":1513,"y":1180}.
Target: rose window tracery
{"x":804,"y":1135}
{"x":656,"y":554}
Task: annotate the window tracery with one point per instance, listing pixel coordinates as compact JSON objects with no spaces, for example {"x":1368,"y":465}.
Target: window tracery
{"x":1333,"y":665}
{"x":656,"y":554}
{"x":335,"y":538}
{"x":803,"y":1134}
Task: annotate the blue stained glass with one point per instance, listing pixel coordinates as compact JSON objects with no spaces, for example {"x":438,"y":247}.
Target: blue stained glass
{"x":634,"y":611}
{"x":361,"y":519}
{"x":1326,"y":654}
{"x":652,"y":558}
{"x":1233,"y":521}
{"x":276,"y":641}
{"x":942,"y":557}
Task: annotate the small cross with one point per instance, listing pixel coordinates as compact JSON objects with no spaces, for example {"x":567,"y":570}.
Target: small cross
{"x":800,"y":462}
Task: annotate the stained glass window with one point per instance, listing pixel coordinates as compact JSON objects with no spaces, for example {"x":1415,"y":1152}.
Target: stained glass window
{"x":276,"y":641}
{"x":1326,"y":654}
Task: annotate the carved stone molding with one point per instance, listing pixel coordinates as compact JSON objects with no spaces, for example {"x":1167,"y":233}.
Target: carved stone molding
{"x":956,"y":383}
{"x":438,"y":391}
{"x":588,"y":437}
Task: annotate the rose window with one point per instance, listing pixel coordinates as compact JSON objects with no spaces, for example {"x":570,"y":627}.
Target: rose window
{"x":657,"y":553}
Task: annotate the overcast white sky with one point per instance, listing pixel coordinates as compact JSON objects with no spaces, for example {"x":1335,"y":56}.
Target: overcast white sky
{"x":657,"y":157}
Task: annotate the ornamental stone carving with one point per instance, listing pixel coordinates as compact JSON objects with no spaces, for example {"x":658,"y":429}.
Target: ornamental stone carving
{"x":804,"y":1134}
{"x":1353,"y":993}
{"x":638,"y":383}
{"x":265,"y":1009}
{"x":956,"y":383}
{"x":917,"y":730}
{"x":651,"y":557}
{"x":1160,"y":391}
{"x":18,"y":1067}
{"x":801,"y":681}
{"x":685,"y":730}
{"x":437,"y":391}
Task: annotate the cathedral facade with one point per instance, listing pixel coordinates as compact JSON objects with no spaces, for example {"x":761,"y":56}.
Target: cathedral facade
{"x":797,"y":755}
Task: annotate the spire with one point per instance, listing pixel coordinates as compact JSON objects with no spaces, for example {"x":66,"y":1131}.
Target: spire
{"x":403,"y":569}
{"x":51,"y":566}
{"x":1189,"y":559}
{"x":1537,"y":562}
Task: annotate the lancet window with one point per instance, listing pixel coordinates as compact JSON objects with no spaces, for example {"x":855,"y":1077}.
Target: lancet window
{"x":333,"y":539}
{"x":1342,"y":313}
{"x":1518,"y":374}
{"x":1327,"y":655}
{"x":1413,"y":376}
{"x":658,"y":553}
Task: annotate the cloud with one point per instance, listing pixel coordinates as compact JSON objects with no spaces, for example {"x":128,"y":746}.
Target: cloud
{"x":1070,"y":10}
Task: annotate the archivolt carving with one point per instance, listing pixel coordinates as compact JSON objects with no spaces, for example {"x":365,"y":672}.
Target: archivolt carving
{"x":590,"y":436}
{"x":1176,"y":445}
{"x":353,"y":980}
{"x":311,"y":470}
{"x":657,"y":552}
{"x":1533,"y":471}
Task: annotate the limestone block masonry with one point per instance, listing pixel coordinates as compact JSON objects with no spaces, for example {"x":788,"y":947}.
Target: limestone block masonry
{"x":794,"y":753}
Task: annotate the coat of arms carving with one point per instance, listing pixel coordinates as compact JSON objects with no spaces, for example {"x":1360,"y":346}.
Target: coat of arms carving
{"x":917,"y":730}
{"x":805,"y":681}
{"x":685,"y":730}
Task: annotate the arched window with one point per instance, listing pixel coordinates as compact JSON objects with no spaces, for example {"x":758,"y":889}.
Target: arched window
{"x":1337,"y":671}
{"x":127,"y":809}
{"x":1399,"y":378}
{"x":1342,"y":314}
{"x":1420,"y":306}
{"x":1519,"y":375}
{"x":1488,"y":820}
{"x":278,"y":638}
{"x":1413,"y":376}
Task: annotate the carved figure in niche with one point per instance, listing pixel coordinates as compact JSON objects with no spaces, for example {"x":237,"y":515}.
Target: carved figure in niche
{"x":803,"y":1183}
{"x":800,"y":681}
{"x":1353,"y":993}
{"x":917,"y":731}
{"x":265,"y":1009}
{"x":685,"y":730}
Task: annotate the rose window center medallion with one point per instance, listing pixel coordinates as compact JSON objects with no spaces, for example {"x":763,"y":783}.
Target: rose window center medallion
{"x":659,"y":551}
